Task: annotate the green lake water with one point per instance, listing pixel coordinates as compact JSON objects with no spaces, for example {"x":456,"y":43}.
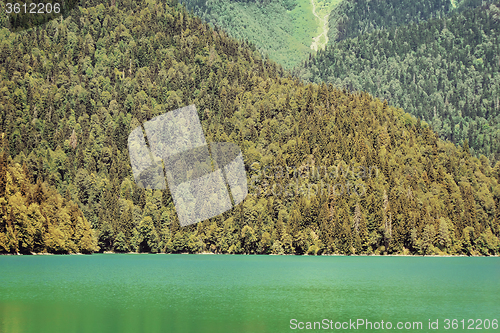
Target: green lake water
{"x":223,"y":293}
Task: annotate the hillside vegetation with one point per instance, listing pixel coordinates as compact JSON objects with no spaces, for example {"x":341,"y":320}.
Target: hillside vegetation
{"x":36,"y":218}
{"x":281,"y":29}
{"x":445,"y":71}
{"x":329,"y":171}
{"x":355,"y":17}
{"x":352,"y":18}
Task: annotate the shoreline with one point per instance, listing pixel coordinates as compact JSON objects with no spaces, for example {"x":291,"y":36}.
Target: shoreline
{"x":255,"y":254}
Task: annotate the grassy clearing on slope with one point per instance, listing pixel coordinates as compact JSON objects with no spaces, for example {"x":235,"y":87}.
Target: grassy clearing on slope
{"x":284,"y":30}
{"x":325,"y":7}
{"x":272,"y":31}
{"x":270,"y":27}
{"x":304,"y":22}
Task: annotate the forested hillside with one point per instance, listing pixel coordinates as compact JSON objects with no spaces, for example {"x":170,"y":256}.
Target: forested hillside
{"x":355,"y":17}
{"x":36,"y":218}
{"x":461,"y":5}
{"x":352,"y":18}
{"x":329,"y":171}
{"x":446,"y":71}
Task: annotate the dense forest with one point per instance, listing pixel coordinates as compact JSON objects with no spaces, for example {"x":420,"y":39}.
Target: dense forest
{"x":445,"y":71}
{"x":36,"y":218}
{"x":329,"y":171}
{"x":19,"y":15}
{"x":351,"y":18}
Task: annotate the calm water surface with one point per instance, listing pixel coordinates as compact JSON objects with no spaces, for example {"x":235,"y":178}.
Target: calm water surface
{"x":222,"y":293}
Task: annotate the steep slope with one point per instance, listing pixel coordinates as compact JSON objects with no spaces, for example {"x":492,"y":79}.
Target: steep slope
{"x":446,"y":71}
{"x":355,"y":17}
{"x":329,"y":171}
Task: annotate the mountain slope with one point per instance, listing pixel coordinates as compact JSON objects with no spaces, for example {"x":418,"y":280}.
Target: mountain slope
{"x":446,"y":71}
{"x":355,"y":17}
{"x":329,"y":171}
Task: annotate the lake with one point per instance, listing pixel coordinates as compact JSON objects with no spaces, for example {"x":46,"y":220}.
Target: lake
{"x":231,"y":293}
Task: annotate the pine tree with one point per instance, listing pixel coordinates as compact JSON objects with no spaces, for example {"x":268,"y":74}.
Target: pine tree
{"x":121,"y":244}
{"x":3,"y":173}
{"x":149,"y":240}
